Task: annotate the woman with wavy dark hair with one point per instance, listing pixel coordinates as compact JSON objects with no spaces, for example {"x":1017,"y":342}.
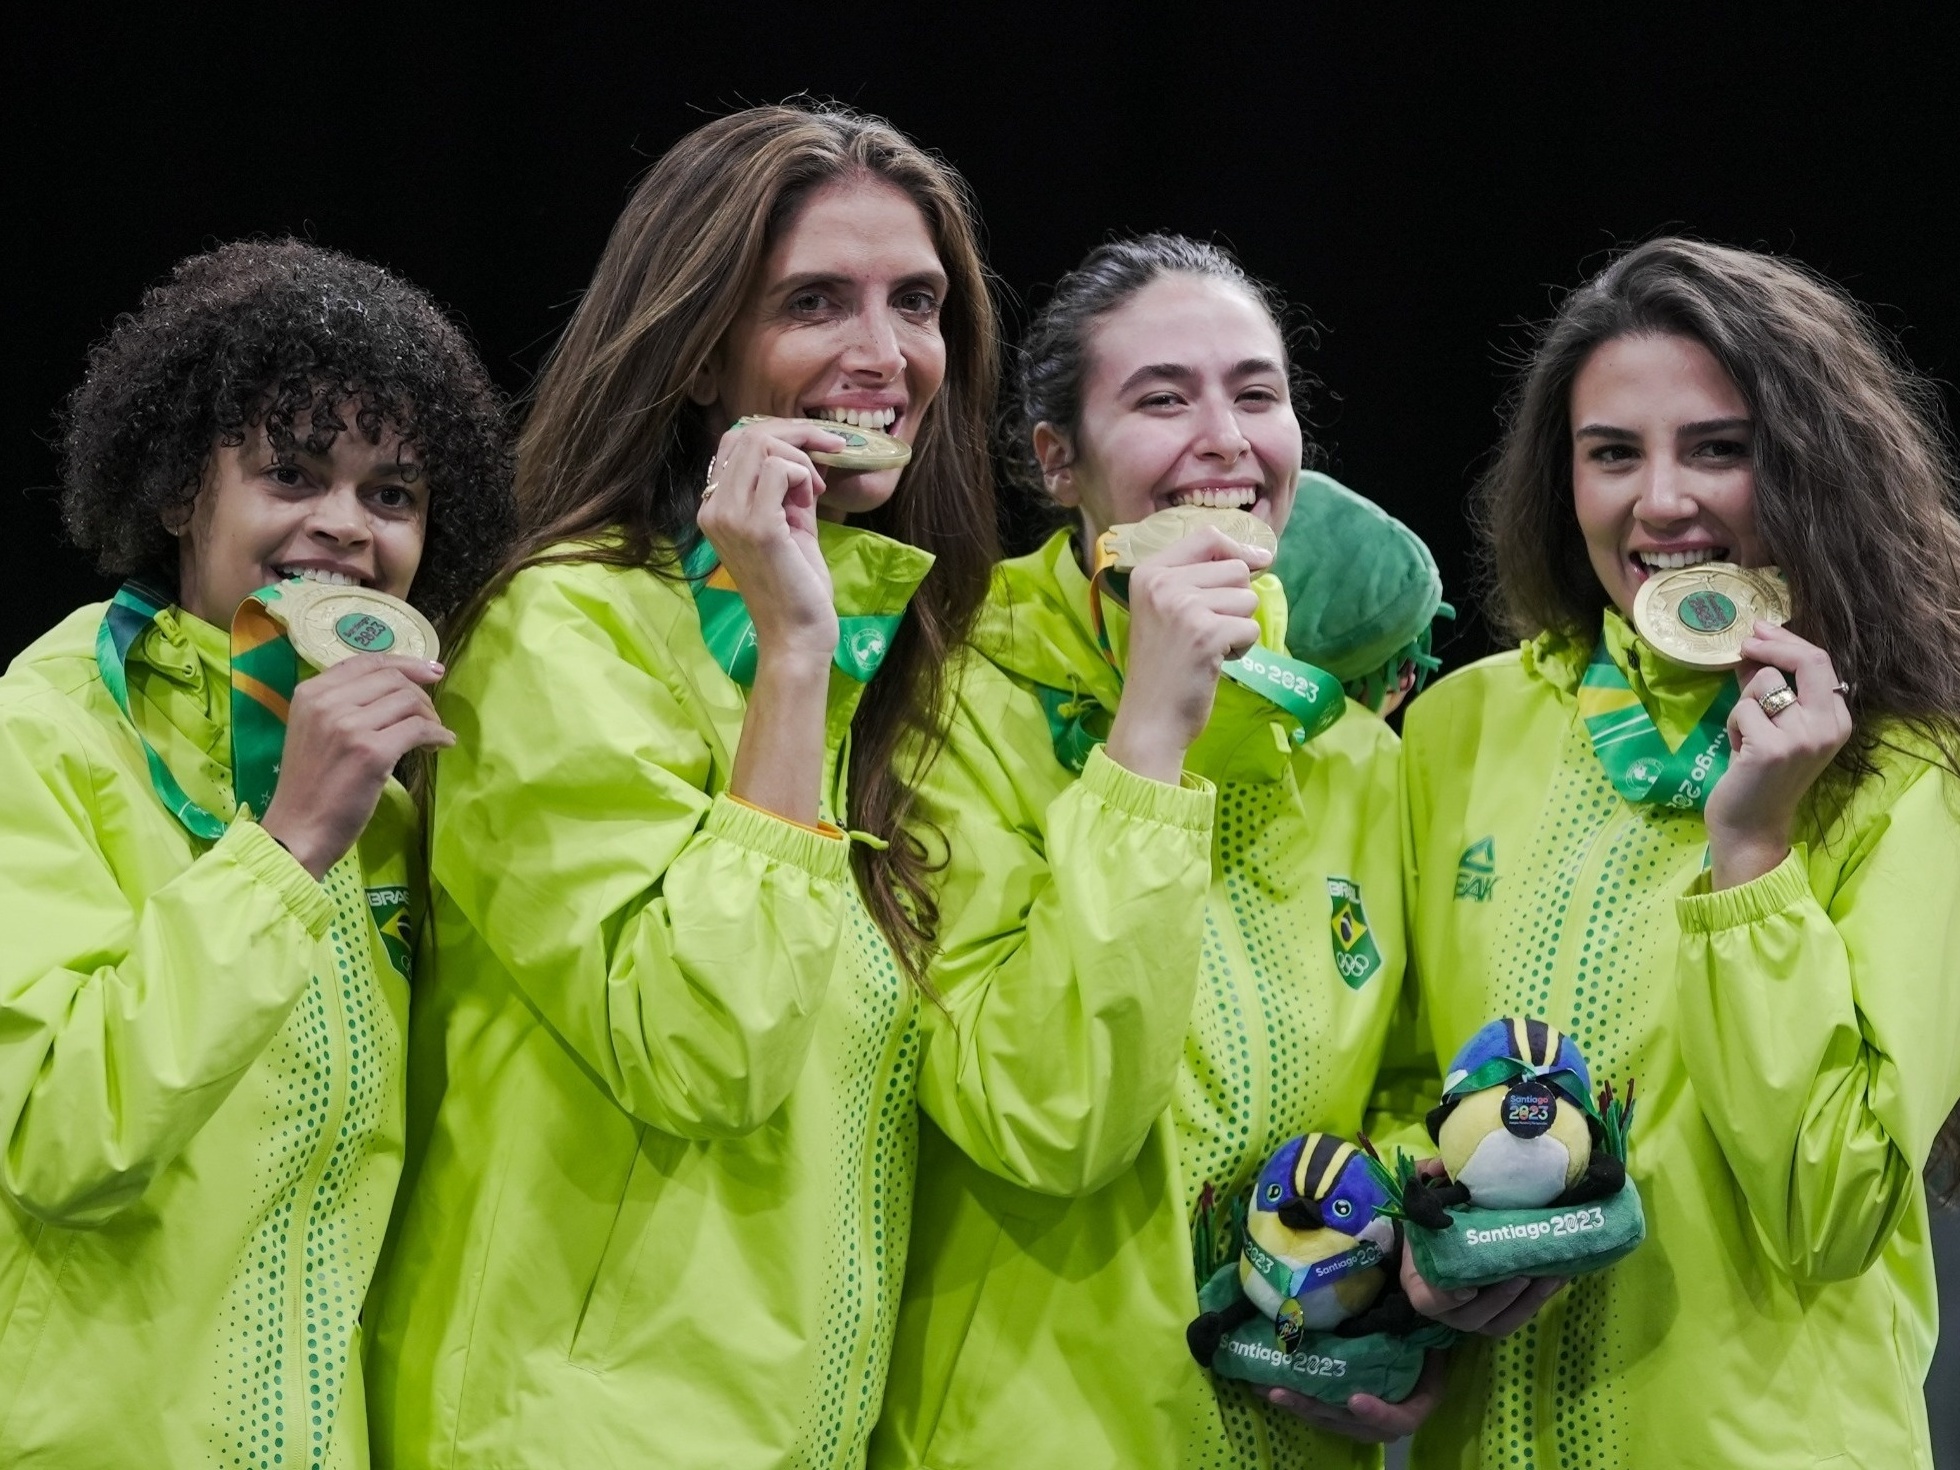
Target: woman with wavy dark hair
{"x":665,"y":1123}
{"x":209,"y":877}
{"x":1742,"y":890}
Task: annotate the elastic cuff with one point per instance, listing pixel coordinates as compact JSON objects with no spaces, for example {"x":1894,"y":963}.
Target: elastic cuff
{"x":1188,"y":804}
{"x":734,"y":820}
{"x":822,"y":829}
{"x":1783,"y":886}
{"x":251,"y":847}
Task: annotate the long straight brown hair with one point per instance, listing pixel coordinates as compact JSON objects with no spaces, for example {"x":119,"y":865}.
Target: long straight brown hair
{"x":1854,"y":471}
{"x":611,"y":461}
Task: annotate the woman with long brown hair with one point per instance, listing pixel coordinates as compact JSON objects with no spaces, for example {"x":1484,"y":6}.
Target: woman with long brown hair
{"x":663,"y":1128}
{"x":1741,"y":889}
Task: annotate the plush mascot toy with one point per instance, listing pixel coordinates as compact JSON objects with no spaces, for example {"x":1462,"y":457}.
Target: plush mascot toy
{"x":1536,"y":1167}
{"x":1310,"y":1304}
{"x":1515,"y":1127}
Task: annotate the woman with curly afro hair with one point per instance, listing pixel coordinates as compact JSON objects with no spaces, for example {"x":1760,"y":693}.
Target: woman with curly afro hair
{"x":207,"y":873}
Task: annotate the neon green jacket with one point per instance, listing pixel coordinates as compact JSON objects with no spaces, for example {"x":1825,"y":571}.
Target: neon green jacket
{"x":1052,"y":1271}
{"x":200,"y":1083}
{"x":1796,"y":1042}
{"x":661,"y":1094}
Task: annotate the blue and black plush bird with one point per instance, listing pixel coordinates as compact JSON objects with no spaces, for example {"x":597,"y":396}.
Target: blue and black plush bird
{"x":1517,"y":1128}
{"x":1316,"y":1243}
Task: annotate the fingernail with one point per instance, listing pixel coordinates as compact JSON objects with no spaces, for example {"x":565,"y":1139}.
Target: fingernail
{"x":437,"y":669}
{"x":1463,"y":1294}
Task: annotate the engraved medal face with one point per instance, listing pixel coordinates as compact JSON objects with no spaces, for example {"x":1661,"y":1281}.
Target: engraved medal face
{"x":864,"y":449}
{"x":1120,"y":548}
{"x":328,"y":624}
{"x":1701,"y":615}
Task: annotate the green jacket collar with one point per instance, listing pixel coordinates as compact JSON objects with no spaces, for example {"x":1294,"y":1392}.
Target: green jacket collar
{"x":1674,"y":695}
{"x":1036,"y":626}
{"x":870,"y":575}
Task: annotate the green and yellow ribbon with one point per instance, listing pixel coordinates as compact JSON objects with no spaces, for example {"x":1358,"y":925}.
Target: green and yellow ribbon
{"x":264,"y":673}
{"x":1634,"y":753}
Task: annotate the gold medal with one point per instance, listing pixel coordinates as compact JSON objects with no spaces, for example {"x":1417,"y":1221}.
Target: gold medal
{"x":328,"y":623}
{"x":1121,"y":547}
{"x":1700,"y":615}
{"x":864,"y":449}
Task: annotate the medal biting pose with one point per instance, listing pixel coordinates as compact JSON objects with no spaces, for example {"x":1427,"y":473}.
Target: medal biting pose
{"x":1704,"y":823}
{"x":1175,"y":846}
{"x":208,"y":875}
{"x":664,"y":1109}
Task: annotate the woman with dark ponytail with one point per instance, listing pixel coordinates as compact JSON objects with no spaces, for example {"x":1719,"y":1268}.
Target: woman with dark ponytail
{"x":1742,"y":890}
{"x":1152,"y":862}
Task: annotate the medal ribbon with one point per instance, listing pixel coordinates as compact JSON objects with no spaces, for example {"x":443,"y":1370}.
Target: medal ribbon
{"x":1311,"y":695}
{"x":1297,"y":1281}
{"x":729,"y":631}
{"x":1636,"y":756}
{"x":264,"y":672}
{"x":1501,"y":1070}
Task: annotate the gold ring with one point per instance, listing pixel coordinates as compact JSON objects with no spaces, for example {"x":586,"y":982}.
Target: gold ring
{"x":1778,"y":700}
{"x":708,"y":486}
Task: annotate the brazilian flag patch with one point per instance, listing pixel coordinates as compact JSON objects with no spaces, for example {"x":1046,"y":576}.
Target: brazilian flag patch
{"x":1356,"y":955}
{"x":389,"y":906}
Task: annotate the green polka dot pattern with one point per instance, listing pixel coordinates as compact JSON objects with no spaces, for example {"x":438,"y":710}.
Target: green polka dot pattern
{"x":873,"y":1031}
{"x":1252,"y":1078}
{"x":1592,"y":904}
{"x":296,"y":1291}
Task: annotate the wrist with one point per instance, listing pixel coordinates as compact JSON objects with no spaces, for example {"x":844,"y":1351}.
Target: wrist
{"x":1151,"y":753}
{"x":1738,"y":858}
{"x":794,"y":664}
{"x":306,"y":852}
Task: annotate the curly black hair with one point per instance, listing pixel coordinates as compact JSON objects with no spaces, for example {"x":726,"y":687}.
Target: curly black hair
{"x":268,"y":333}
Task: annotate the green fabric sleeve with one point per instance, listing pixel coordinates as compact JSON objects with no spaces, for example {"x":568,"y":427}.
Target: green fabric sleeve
{"x":126,"y":1018}
{"x":1818,"y":1036}
{"x":1071,"y":915}
{"x":679,"y":944}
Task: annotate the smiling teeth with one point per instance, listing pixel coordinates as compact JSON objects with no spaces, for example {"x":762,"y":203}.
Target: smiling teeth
{"x":320,"y":574}
{"x":1667,"y":561}
{"x":860,"y":418}
{"x":1236,"y":497}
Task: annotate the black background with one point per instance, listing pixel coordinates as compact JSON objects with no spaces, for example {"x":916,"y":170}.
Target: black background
{"x":1423,"y":179}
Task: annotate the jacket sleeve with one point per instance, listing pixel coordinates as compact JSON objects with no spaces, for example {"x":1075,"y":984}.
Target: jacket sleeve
{"x":1823,"y":1039}
{"x":126,"y":1018}
{"x":679,"y":944}
{"x":1070,"y":932}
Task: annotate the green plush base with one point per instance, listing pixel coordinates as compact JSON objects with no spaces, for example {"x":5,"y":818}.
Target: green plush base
{"x":1485,"y":1246}
{"x":1325,"y":1367}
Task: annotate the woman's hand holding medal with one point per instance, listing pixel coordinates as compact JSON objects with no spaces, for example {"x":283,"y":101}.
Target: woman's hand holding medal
{"x":759,"y":511}
{"x":1191,"y":609}
{"x":1789,"y":725}
{"x":349,"y":728}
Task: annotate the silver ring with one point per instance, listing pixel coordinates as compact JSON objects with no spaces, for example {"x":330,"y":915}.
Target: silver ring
{"x":1843,"y":688}
{"x":1778,"y":700}
{"x":708,"y":486}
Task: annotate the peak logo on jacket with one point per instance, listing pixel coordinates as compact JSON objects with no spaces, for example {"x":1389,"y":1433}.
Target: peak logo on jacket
{"x":1355,"y":953}
{"x":1476,"y":871}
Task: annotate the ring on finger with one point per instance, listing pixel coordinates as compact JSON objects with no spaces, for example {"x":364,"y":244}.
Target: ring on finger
{"x":1777,"y":700}
{"x":1842,"y":688}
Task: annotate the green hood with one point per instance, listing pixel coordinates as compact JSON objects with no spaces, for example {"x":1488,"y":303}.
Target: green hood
{"x":1361,"y":588}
